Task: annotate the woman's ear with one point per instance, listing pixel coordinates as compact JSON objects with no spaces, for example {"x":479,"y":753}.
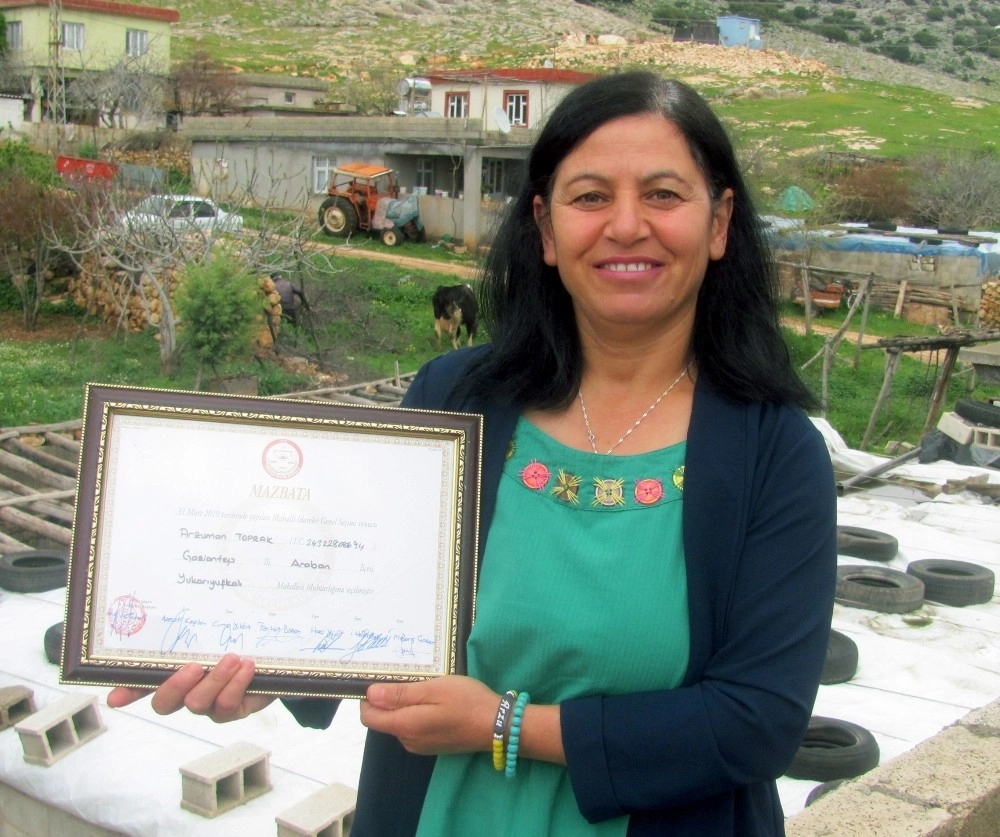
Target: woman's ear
{"x":720,"y":225}
{"x":543,"y":220}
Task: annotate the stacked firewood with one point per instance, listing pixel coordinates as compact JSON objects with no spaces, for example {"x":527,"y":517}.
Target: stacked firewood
{"x":989,"y":305}
{"x":134,"y":300}
{"x":131,"y":300}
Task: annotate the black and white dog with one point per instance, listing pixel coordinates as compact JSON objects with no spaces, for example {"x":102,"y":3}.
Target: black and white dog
{"x":455,"y":306}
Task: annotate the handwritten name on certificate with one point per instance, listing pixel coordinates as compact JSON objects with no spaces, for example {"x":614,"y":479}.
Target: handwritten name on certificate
{"x":302,"y":548}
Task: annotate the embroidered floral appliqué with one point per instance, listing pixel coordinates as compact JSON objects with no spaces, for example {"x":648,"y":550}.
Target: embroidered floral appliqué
{"x":648,"y":491}
{"x":609,"y":492}
{"x":511,"y":449}
{"x":679,"y":478}
{"x":535,"y":475}
{"x":567,"y":487}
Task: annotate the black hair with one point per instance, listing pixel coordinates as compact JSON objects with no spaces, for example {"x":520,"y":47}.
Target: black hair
{"x":737,"y":341}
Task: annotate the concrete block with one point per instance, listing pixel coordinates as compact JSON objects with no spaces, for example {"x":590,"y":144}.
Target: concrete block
{"x":218,"y":782}
{"x":857,"y":811}
{"x":956,"y":770}
{"x":986,"y":718}
{"x":16,"y":702}
{"x":327,"y":813}
{"x":955,"y":427}
{"x":59,"y":728}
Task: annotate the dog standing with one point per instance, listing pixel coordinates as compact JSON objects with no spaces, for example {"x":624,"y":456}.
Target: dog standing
{"x":455,"y":306}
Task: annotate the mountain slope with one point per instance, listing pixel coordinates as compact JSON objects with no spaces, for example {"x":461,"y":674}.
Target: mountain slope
{"x":335,"y":38}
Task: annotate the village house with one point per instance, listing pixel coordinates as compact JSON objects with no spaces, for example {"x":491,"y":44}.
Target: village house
{"x":93,"y":36}
{"x":458,"y":141}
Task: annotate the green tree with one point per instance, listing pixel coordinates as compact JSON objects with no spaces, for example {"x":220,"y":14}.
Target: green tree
{"x":218,"y":303}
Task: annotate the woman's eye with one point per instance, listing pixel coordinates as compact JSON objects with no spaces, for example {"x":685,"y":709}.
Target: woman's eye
{"x":664,"y":196}
{"x":589,"y":199}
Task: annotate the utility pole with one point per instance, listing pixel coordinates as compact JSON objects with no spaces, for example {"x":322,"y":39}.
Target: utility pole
{"x":57,"y":79}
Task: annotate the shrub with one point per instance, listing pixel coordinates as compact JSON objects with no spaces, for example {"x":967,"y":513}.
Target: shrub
{"x":874,"y":193}
{"x":218,"y":303}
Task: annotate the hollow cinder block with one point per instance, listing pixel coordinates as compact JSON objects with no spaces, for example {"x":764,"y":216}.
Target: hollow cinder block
{"x":16,"y":702}
{"x":218,"y":782}
{"x":59,"y":728}
{"x":327,"y":813}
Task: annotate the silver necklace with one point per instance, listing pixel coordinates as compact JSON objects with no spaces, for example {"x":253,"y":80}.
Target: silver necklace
{"x":627,"y":433}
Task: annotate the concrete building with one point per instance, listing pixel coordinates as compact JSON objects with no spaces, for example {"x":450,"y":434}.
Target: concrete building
{"x":459,"y":142}
{"x":739,"y":31}
{"x":50,"y":46}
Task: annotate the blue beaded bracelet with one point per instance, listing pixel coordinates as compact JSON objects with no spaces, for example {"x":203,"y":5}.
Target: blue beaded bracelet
{"x":515,"y":734}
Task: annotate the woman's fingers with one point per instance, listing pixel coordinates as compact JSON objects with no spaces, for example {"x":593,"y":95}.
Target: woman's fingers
{"x":172,"y":692}
{"x":124,"y":695}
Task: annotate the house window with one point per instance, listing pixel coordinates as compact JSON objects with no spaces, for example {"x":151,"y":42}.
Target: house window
{"x":136,"y":42}
{"x":493,"y":177}
{"x":72,"y":36}
{"x":516,"y":105}
{"x":425,"y":173}
{"x":322,"y":168}
{"x":457,"y":105}
{"x":289,"y":98}
{"x":15,"y":38}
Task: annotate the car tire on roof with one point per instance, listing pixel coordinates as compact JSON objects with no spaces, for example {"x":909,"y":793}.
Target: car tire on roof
{"x":878,"y":588}
{"x":33,"y":570}
{"x":53,"y":643}
{"x":866,"y":543}
{"x":978,"y":412}
{"x":841,"y":659}
{"x":822,"y":790}
{"x":834,"y":749}
{"x":957,"y":583}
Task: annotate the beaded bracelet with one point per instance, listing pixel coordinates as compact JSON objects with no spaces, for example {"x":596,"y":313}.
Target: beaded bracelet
{"x":500,"y":728}
{"x":515,"y":734}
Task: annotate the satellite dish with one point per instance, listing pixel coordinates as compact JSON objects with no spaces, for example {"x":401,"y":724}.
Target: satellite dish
{"x":503,"y":121}
{"x":402,"y":87}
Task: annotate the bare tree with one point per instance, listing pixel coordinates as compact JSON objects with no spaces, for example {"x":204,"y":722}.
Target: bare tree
{"x":371,"y":90}
{"x":201,"y":85}
{"x":957,"y":190}
{"x":130,"y":266}
{"x":131,"y":85}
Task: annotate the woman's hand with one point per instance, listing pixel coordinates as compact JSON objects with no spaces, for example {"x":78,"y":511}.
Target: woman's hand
{"x":450,"y":714}
{"x":220,"y":694}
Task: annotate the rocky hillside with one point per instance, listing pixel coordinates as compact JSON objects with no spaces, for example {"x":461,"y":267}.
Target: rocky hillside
{"x":332,"y":40}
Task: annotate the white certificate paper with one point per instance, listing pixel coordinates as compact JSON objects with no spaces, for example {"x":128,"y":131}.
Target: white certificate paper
{"x":333,"y":549}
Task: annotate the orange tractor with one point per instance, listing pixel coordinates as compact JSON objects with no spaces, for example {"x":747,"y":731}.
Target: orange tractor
{"x":366,"y":197}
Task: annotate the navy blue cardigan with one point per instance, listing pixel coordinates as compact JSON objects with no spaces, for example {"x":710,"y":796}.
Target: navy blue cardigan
{"x":760,"y":548}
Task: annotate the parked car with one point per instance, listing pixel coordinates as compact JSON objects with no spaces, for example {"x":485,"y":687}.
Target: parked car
{"x":181,"y":213}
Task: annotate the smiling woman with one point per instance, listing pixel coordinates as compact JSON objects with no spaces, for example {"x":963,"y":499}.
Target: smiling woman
{"x":665,"y":602}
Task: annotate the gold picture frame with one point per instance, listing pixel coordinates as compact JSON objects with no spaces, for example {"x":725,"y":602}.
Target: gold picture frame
{"x":335,"y":544}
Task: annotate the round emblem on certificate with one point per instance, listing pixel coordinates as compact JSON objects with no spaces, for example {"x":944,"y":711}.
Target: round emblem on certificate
{"x":126,"y":616}
{"x":282,"y":459}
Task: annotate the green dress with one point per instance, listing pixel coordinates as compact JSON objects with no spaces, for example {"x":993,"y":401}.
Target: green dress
{"x":583,"y":592}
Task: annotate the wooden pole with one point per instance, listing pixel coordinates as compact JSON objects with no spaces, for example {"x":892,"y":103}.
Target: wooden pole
{"x":941,"y":387}
{"x":892,"y":357}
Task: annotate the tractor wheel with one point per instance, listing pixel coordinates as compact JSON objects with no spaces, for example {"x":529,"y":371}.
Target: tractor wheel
{"x":390,"y":237}
{"x":337,"y":217}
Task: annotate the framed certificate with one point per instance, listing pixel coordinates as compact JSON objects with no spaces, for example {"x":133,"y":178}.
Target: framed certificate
{"x":335,"y":544}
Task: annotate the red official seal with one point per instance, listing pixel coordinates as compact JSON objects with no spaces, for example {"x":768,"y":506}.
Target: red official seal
{"x":282,"y":459}
{"x":126,"y":615}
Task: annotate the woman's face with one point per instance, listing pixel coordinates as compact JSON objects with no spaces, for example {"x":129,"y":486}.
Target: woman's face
{"x":631,"y":226}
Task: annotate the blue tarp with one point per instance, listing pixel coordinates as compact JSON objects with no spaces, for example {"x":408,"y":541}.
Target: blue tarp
{"x":788,"y":234}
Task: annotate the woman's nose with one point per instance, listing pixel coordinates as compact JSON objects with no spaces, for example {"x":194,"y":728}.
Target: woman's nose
{"x":627,"y":221}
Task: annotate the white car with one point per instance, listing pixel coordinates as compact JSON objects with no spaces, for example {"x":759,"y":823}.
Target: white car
{"x":182,"y":214}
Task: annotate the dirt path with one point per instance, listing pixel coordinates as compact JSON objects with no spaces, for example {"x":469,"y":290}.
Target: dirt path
{"x":461,"y":270}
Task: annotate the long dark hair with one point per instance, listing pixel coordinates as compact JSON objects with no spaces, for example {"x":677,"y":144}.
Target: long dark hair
{"x":737,"y":342}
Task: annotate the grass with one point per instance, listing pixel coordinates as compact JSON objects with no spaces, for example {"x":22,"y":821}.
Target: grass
{"x":369,"y":319}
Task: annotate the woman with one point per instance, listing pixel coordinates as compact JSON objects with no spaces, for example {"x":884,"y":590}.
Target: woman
{"x":659,"y":515}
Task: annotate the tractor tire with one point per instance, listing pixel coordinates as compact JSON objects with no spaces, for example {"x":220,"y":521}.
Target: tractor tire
{"x":391,"y":237}
{"x":338,"y":217}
